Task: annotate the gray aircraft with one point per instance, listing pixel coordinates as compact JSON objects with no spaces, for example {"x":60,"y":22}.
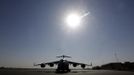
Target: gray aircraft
{"x":62,"y":64}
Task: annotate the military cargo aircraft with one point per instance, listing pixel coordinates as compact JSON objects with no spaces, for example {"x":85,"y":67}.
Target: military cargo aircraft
{"x":62,"y":64}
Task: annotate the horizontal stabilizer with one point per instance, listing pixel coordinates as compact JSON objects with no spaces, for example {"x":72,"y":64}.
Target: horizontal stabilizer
{"x":63,"y":56}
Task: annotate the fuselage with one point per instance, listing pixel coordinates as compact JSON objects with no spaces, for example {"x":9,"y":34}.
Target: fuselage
{"x":63,"y":66}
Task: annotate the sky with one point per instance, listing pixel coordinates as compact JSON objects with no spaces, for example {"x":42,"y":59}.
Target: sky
{"x":34,"y":31}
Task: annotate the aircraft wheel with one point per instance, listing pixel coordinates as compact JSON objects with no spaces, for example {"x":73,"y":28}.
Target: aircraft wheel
{"x":69,"y":70}
{"x":57,"y":70}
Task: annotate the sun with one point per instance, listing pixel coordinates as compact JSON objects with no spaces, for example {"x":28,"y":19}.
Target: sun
{"x":73,"y":20}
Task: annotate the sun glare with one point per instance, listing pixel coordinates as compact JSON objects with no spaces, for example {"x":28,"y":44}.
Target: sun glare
{"x":73,"y":20}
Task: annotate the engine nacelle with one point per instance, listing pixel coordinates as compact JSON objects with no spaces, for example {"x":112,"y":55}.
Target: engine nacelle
{"x":74,"y":65}
{"x":83,"y":66}
{"x":51,"y":65}
{"x":42,"y":65}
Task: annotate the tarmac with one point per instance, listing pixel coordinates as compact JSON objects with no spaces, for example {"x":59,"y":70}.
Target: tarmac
{"x":52,"y":72}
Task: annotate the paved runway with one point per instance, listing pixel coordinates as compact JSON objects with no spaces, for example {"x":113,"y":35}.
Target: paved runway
{"x":73,"y":72}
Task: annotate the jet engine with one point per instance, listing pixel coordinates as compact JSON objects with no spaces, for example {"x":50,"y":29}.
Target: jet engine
{"x":74,"y":65}
{"x":51,"y":64}
{"x":42,"y":65}
{"x":83,"y":66}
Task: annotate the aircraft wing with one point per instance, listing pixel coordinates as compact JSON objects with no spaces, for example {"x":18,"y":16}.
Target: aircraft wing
{"x":51,"y":64}
{"x":71,"y":62}
{"x":74,"y":64}
{"x":54,"y":62}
